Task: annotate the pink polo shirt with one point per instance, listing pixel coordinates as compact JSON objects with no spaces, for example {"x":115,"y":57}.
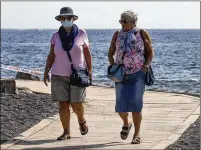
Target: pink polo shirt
{"x":61,"y":65}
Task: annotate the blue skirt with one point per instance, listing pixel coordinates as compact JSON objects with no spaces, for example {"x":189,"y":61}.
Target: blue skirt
{"x":129,"y":93}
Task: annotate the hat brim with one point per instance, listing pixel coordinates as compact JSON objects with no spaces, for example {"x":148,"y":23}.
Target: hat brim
{"x":67,"y":14}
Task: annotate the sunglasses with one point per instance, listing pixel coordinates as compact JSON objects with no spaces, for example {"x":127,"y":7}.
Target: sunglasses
{"x":66,"y":17}
{"x":123,"y":21}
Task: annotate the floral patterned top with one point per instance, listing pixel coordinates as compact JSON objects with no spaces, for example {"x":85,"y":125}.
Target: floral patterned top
{"x":133,"y":59}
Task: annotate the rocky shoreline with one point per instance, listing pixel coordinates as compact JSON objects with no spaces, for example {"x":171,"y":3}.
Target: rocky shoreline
{"x":189,"y":140}
{"x":21,"y":111}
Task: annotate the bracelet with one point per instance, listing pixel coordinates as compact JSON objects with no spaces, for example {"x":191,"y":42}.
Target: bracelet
{"x":146,"y":66}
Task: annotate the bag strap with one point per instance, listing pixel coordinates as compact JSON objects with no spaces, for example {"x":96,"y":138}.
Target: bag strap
{"x":70,"y":59}
{"x":143,"y":38}
{"x":122,"y":58}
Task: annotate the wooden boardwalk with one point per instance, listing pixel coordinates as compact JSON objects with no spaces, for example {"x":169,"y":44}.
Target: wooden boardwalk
{"x":165,"y":117}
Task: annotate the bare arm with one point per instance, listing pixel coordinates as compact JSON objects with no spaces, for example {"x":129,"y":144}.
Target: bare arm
{"x":149,"y":50}
{"x":87,"y":55}
{"x":112,"y":48}
{"x":50,"y":59}
{"x":49,"y":62}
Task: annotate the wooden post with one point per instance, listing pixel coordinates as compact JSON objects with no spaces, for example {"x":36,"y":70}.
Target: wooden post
{"x":8,"y":86}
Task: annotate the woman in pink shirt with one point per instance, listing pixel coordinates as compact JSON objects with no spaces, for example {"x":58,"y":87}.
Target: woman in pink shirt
{"x":73,"y":39}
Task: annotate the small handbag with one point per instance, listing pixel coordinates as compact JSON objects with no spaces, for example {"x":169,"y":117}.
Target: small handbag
{"x":79,"y":77}
{"x":116,"y":72}
{"x":150,"y":78}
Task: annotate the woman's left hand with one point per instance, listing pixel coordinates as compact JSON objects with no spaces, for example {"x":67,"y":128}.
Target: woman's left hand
{"x":144,"y":69}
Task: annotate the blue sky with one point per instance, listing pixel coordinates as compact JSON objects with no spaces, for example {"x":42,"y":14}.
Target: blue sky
{"x":97,"y":15}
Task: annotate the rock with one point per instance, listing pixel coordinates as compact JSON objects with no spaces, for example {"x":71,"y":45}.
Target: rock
{"x":8,"y":86}
{"x":26,"y":76}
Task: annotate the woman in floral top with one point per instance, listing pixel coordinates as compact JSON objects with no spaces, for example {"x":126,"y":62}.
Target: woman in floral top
{"x":129,"y":93}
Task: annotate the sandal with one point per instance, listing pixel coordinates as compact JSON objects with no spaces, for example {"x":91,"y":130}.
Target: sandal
{"x":125,"y":132}
{"x":64,"y":136}
{"x":83,"y":130}
{"x":136,"y":140}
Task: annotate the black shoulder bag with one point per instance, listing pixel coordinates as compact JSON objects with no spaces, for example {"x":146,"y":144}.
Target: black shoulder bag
{"x":80,"y":77}
{"x":150,"y":78}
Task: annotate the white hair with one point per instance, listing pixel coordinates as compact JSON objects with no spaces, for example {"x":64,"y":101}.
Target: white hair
{"x":130,"y":16}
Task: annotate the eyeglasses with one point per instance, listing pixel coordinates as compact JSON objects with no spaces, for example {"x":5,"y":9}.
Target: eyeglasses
{"x":66,"y":17}
{"x":123,"y":21}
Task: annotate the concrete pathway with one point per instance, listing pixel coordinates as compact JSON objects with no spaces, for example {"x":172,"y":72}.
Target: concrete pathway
{"x":165,"y":117}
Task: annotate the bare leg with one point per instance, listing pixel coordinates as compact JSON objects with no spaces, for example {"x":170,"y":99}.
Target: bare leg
{"x":124,"y":117}
{"x":64,"y":113}
{"x":137,"y":117}
{"x":126,"y":127}
{"x":78,"y":108}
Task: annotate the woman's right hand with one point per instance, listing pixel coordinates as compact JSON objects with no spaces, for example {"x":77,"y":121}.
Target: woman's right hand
{"x":45,"y":78}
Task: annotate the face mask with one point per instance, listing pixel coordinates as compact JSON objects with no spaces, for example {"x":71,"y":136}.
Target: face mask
{"x":66,"y":23}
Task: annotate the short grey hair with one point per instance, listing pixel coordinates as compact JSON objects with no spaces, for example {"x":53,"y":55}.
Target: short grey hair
{"x":130,"y":16}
